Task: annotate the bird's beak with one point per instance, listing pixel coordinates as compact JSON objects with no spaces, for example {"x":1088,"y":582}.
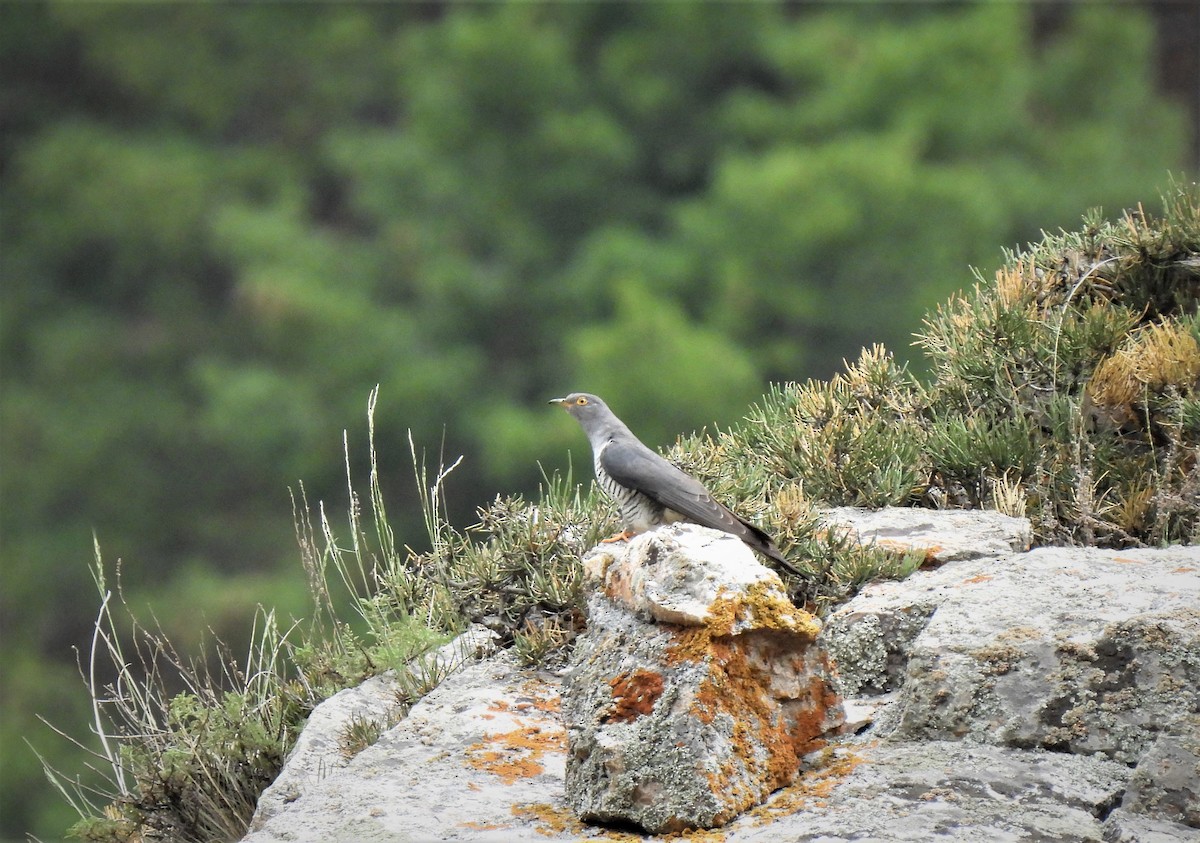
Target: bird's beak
{"x":559,"y":401}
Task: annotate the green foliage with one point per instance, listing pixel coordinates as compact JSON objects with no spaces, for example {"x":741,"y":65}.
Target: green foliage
{"x":849,"y":440}
{"x":1077,"y":368}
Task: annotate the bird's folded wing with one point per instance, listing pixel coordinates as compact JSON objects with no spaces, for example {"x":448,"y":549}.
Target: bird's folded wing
{"x":637,"y":467}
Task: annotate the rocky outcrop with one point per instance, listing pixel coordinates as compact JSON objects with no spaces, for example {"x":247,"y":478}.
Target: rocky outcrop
{"x":1002,"y":658}
{"x":944,"y":535}
{"x":482,"y":755}
{"x":1083,"y":651}
{"x":321,"y":749}
{"x":697,"y":688}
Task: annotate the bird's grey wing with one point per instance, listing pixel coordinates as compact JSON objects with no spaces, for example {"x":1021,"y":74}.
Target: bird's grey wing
{"x":635,"y":466}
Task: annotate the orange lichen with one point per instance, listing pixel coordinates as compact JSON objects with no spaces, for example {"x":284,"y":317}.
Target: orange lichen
{"x":977,"y":579}
{"x":478,"y":826}
{"x":812,"y":789}
{"x":549,"y":705}
{"x":810,"y":719}
{"x":516,"y":754}
{"x":688,"y":644}
{"x":735,"y":687}
{"x":768,"y":740}
{"x":762,"y":605}
{"x":550,"y":821}
{"x":634,"y":695}
{"x":695,"y":835}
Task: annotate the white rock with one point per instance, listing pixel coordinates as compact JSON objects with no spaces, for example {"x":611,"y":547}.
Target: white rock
{"x":676,"y":574}
{"x":319,"y":749}
{"x":944,"y":535}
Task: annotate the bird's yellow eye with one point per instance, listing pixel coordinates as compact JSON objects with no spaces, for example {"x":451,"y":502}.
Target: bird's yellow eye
{"x":580,"y":400}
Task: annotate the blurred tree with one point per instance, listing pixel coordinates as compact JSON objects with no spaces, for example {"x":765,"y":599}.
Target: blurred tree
{"x":223,"y":224}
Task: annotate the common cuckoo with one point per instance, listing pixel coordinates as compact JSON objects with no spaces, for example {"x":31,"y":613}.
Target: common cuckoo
{"x":648,"y":490}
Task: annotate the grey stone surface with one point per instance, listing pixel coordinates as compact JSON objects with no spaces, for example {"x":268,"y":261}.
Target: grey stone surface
{"x":945,"y":535}
{"x":319,"y":749}
{"x":1122,"y":826}
{"x":482,"y":757}
{"x":1166,"y":782}
{"x":943,"y":790}
{"x":870,"y":638}
{"x":1084,"y":651}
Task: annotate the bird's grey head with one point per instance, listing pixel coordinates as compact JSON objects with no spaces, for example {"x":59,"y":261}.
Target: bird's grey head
{"x":592,"y":414}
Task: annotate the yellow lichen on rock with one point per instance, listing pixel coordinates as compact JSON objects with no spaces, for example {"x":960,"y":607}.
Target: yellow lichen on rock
{"x":760,"y":605}
{"x":516,"y":754}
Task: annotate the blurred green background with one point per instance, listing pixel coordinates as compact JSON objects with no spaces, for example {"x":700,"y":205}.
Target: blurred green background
{"x":223,"y":224}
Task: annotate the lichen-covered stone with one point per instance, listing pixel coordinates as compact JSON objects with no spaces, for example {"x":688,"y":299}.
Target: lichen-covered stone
{"x":1083,"y":651}
{"x":1166,"y":782}
{"x":870,"y":643}
{"x":944,"y":536}
{"x":685,"y":724}
{"x":1108,"y":636}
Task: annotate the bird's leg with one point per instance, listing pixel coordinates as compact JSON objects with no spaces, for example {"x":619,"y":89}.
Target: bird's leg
{"x":619,"y":537}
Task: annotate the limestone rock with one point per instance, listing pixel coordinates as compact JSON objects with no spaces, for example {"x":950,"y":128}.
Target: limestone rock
{"x":480,"y":758}
{"x":1122,"y":826}
{"x":697,"y":687}
{"x":1090,"y":652}
{"x":870,"y":637}
{"x":1085,"y":651}
{"x":1166,"y":782}
{"x":943,"y":790}
{"x":1081,"y":650}
{"x":319,"y":749}
{"x":944,"y":535}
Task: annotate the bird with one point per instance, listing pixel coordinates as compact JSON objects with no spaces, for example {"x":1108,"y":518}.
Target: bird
{"x":648,"y":490}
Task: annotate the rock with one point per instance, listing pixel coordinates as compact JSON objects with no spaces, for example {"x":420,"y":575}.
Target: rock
{"x":1083,"y":651}
{"x":948,"y":790}
{"x":1090,"y":652}
{"x":481,"y":757}
{"x":1166,"y":783}
{"x":1121,"y":826}
{"x":319,"y":750}
{"x":697,"y":687}
{"x":869,"y":639}
{"x":944,"y":535}
{"x":1078,"y":649}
